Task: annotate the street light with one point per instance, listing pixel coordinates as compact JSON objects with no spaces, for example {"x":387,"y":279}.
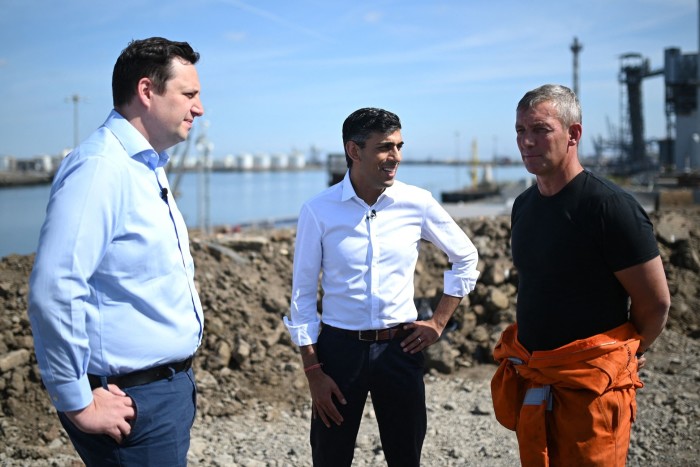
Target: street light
{"x":75,"y":98}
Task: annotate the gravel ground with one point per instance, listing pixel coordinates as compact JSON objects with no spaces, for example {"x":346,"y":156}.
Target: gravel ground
{"x":462,"y":430}
{"x":253,"y":407}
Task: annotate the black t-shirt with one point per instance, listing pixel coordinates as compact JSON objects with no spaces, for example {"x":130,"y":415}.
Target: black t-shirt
{"x":566,"y":249}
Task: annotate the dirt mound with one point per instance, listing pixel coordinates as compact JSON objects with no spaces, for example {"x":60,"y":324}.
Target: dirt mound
{"x":247,"y":357}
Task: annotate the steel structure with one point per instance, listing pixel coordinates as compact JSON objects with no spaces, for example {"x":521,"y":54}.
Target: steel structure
{"x":633,"y":69}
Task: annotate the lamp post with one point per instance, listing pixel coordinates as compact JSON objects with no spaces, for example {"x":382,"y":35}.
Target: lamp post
{"x":75,"y":98}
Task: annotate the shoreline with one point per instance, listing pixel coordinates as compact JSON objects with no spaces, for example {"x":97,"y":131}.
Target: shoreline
{"x":19,"y":179}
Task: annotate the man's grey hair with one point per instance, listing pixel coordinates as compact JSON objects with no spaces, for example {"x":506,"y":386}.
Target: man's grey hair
{"x":563,"y":99}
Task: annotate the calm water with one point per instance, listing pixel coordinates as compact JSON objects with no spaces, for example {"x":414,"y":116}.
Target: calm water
{"x":235,"y":198}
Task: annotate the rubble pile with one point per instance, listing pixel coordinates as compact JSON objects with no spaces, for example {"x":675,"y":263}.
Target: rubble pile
{"x":246,"y":357}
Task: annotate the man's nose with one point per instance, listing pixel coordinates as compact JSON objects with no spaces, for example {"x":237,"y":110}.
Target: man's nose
{"x":526,"y":139}
{"x":198,"y":108}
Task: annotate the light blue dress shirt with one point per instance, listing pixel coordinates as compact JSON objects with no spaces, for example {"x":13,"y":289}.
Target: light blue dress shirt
{"x":112,"y":289}
{"x":368,"y":256}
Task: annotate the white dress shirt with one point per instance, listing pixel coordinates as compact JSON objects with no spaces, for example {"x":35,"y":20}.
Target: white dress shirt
{"x":367,"y":256}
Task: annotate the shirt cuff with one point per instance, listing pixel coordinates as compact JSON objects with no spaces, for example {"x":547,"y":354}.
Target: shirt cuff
{"x":459,"y":285}
{"x":74,"y":395}
{"x":302,"y":334}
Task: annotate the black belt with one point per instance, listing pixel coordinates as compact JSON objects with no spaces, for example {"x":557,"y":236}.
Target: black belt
{"x":141,"y":377}
{"x":374,"y":335}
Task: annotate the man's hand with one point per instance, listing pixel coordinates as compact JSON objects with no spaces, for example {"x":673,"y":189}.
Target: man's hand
{"x":109,"y":413}
{"x":641,"y":361}
{"x":323,"y":388}
{"x":425,"y":333}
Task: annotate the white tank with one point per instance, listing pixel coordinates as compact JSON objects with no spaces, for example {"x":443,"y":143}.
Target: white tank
{"x":245,"y":161}
{"x":229,"y":162}
{"x":6,"y":163}
{"x":297,"y":160}
{"x":261,"y":161}
{"x":44,"y":163}
{"x":279,"y":161}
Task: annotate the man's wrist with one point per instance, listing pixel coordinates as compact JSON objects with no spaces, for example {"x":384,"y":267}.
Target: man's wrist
{"x":312,"y":367}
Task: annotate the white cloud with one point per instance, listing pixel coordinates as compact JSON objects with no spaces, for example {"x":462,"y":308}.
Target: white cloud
{"x":372,"y":17}
{"x":235,"y":36}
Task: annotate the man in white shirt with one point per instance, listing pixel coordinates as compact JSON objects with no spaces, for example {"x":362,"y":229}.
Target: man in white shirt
{"x":362,"y":236}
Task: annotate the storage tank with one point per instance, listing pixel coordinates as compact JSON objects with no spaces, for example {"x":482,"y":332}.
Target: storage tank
{"x":297,"y":161}
{"x":229,"y":162}
{"x":279,"y":161}
{"x":7,"y":163}
{"x":261,"y":161}
{"x":245,"y":161}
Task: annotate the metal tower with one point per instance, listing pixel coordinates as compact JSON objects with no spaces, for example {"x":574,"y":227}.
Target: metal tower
{"x":633,"y":69}
{"x":576,"y":48}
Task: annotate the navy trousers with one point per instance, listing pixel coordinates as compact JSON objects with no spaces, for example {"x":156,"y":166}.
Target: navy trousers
{"x":160,"y":435}
{"x":394,"y":379}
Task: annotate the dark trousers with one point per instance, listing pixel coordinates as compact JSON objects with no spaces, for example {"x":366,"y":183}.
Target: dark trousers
{"x":160,"y":436}
{"x":393,"y":377}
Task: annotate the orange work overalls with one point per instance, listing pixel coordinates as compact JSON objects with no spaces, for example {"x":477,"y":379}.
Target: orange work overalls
{"x":571,"y":406}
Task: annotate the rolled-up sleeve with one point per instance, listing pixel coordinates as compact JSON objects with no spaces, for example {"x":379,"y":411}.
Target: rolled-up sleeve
{"x":304,"y":322}
{"x":441,"y":230}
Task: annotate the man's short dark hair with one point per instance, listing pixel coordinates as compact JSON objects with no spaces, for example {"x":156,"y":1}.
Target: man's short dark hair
{"x":150,"y":58}
{"x":360,"y":125}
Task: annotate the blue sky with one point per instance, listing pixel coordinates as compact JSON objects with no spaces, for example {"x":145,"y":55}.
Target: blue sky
{"x":282,"y":75}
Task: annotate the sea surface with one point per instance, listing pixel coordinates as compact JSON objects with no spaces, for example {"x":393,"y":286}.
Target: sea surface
{"x":233,"y":198}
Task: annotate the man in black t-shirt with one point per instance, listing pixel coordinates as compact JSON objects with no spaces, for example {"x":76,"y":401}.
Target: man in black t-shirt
{"x":591,"y":289}
{"x":567,"y":249}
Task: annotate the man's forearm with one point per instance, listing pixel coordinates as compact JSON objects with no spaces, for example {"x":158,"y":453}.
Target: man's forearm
{"x":445,"y":309}
{"x":651,"y":326}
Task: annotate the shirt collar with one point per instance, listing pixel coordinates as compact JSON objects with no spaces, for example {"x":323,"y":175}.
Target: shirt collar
{"x":349,"y":190}
{"x":134,"y":143}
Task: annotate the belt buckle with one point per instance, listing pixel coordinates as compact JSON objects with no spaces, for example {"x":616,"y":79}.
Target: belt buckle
{"x":374,"y":339}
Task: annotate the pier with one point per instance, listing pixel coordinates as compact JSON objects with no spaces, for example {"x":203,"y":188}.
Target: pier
{"x":13,"y":179}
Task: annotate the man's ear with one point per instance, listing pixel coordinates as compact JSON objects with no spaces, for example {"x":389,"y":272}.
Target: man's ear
{"x":575,"y":132}
{"x":352,"y":150}
{"x":144,"y":91}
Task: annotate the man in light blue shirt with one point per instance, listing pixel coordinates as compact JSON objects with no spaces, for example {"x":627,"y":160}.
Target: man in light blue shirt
{"x":114,"y":311}
{"x":362,"y":237}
